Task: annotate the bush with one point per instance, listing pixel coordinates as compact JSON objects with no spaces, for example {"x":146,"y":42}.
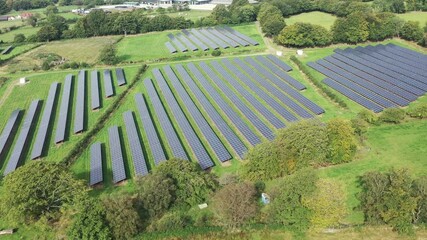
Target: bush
{"x":412,"y":31}
{"x":171,"y":221}
{"x":216,"y":53}
{"x":304,"y":35}
{"x":109,"y":55}
{"x":392,"y":115}
{"x":342,"y":145}
{"x":19,"y":38}
{"x":419,"y":111}
{"x":367,"y":116}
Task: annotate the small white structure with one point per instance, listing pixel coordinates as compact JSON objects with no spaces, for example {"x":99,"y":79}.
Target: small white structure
{"x":279,"y":53}
{"x":23,"y":80}
{"x":265,"y":198}
{"x":300,"y":52}
{"x":203,"y":206}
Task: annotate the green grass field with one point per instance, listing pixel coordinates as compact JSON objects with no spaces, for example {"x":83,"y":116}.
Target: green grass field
{"x":17,"y":50}
{"x":415,"y":16}
{"x":192,"y":14}
{"x":319,"y":18}
{"x":26,"y":30}
{"x":150,"y":47}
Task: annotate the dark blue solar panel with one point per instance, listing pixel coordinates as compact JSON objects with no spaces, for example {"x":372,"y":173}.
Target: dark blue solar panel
{"x":195,"y":40}
{"x":231,"y":36}
{"x":170,"y":47}
{"x":171,"y":136}
{"x":79,"y":112}
{"x":95,"y":164}
{"x":63,"y":112}
{"x":242,"y":36}
{"x":233,"y":116}
{"x":108,"y":84}
{"x":118,"y":167}
{"x":398,"y":60}
{"x":177,"y":43}
{"x":120,"y":75}
{"x":148,"y":126}
{"x":403,"y":56}
{"x":194,"y":142}
{"x":6,"y":135}
{"x":94,"y":87}
{"x":414,"y":54}
{"x":212,"y":37}
{"x":279,"y":63}
{"x":249,"y":114}
{"x":200,"y":36}
{"x":21,"y":141}
{"x":44,"y":124}
{"x":135,"y":145}
{"x":223,"y":37}
{"x":186,"y":41}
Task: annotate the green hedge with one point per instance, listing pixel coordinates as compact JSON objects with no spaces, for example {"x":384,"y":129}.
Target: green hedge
{"x":318,"y":84}
{"x":79,"y":148}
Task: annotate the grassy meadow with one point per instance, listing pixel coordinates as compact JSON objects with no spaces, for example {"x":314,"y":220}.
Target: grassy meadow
{"x":319,"y":18}
{"x":415,"y":16}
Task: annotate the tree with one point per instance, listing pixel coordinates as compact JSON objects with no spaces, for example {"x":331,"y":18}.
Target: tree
{"x":286,"y":206}
{"x":4,"y":8}
{"x":244,"y":14}
{"x":51,"y":9}
{"x":420,"y":191}
{"x":47,"y":33}
{"x":32,"y":21}
{"x":157,"y":193}
{"x":160,"y":23}
{"x":122,"y":216}
{"x":39,"y":189}
{"x":238,"y":3}
{"x":342,"y":144}
{"x":108,"y":55}
{"x":235,"y":204}
{"x":304,"y":35}
{"x":273,"y":24}
{"x":221,"y":14}
{"x":411,"y":31}
{"x":398,"y":6}
{"x":328,"y":204}
{"x":126,"y":23}
{"x":19,"y":38}
{"x":266,"y":10}
{"x":90,"y":222}
{"x":383,"y":25}
{"x":351,"y":29}
{"x":193,"y":185}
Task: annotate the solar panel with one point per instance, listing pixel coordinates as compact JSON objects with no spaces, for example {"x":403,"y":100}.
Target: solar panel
{"x":118,"y":166}
{"x":135,"y":145}
{"x":404,"y":57}
{"x":204,"y":39}
{"x":223,"y":37}
{"x":285,"y":87}
{"x":273,"y":90}
{"x":419,"y":56}
{"x":80,"y":103}
{"x":194,"y":142}
{"x":280,"y":73}
{"x":6,"y":135}
{"x":95,"y":164}
{"x":44,"y":124}
{"x":7,"y":50}
{"x":398,"y":60}
{"x":186,"y":41}
{"x":121,"y":80}
{"x":245,"y":110}
{"x":231,"y":36}
{"x":177,"y":43}
{"x":147,"y":124}
{"x":221,"y":124}
{"x":108,"y":84}
{"x":94,"y":90}
{"x":204,"y":127}
{"x":21,"y":141}
{"x":245,"y":81}
{"x":171,"y":136}
{"x":212,"y":37}
{"x":279,"y":63}
{"x":231,"y":114}
{"x":242,"y":36}
{"x":63,"y":112}
{"x":195,"y":40}
{"x":170,"y":48}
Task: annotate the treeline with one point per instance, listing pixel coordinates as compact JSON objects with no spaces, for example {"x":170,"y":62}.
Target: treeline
{"x":359,"y":23}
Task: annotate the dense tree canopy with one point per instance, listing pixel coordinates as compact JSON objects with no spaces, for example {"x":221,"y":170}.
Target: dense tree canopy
{"x":351,"y":29}
{"x":304,"y":35}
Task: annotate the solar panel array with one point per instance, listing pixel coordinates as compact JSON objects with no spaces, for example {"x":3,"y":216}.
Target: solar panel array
{"x":108,"y":84}
{"x":194,"y":142}
{"x":118,"y":166}
{"x":279,"y":63}
{"x":63,"y":111}
{"x":213,"y":140}
{"x":376,"y":77}
{"x":207,"y":38}
{"x":44,"y":125}
{"x":6,"y":134}
{"x":94,"y":87}
{"x":95,"y":164}
{"x":121,"y":80}
{"x":7,"y":50}
{"x":135,"y":145}
{"x":17,"y":151}
{"x":79,"y":113}
{"x":147,"y":124}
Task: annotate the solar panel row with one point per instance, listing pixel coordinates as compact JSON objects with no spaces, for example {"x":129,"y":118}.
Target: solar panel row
{"x":153,"y":139}
{"x":245,"y":110}
{"x":170,"y":47}
{"x":63,"y":112}
{"x":231,"y":114}
{"x":242,"y":36}
{"x":204,"y":39}
{"x":195,"y":40}
{"x":171,"y":136}
{"x":223,"y":127}
{"x":186,"y":42}
{"x":95,"y":164}
{"x":194,"y":142}
{"x":245,"y":81}
{"x":285,"y":87}
{"x":280,"y":73}
{"x":177,"y":43}
{"x":118,"y":166}
{"x":17,"y":151}
{"x":44,"y":124}
{"x":220,"y":35}
{"x":404,"y":57}
{"x":212,"y":37}
{"x":6,"y":135}
{"x":414,"y":54}
{"x":273,"y":90}
{"x":80,"y":103}
{"x":231,"y":36}
{"x":108,"y":84}
{"x":135,"y":145}
{"x":121,"y":80}
{"x":94,"y":90}
{"x":279,"y":63}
